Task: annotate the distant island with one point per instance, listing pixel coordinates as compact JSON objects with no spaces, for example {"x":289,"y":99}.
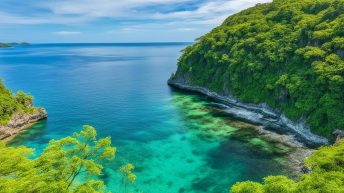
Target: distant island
{"x":4,"y":45}
{"x":8,"y":45}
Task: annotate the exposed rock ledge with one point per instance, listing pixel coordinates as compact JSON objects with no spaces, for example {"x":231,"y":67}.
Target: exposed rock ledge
{"x":259,"y":114}
{"x":21,"y":121}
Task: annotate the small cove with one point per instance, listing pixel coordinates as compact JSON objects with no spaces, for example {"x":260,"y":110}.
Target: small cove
{"x":178,"y":141}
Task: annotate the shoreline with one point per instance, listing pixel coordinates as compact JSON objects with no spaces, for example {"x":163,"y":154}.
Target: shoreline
{"x":296,"y":154}
{"x":18,"y":131}
{"x":299,"y":150}
{"x":260,"y":115}
{"x":21,"y":122}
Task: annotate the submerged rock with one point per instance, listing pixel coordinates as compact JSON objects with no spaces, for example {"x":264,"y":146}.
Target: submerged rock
{"x":21,"y":121}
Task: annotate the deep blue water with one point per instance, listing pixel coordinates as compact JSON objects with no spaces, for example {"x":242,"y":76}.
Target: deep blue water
{"x":179,"y":142}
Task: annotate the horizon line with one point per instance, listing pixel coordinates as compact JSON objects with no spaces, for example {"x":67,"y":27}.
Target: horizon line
{"x":108,"y":42}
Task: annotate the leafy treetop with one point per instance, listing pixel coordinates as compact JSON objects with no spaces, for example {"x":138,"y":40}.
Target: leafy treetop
{"x":71,"y":164}
{"x":10,"y":104}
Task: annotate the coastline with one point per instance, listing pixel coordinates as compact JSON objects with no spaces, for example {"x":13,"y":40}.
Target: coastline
{"x":298,"y":150}
{"x":297,"y":154}
{"x":21,"y":122}
{"x":259,"y":114}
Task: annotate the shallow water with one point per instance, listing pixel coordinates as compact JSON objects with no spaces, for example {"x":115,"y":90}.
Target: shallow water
{"x":179,"y":142}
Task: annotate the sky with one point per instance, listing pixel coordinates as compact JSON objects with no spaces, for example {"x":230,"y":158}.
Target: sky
{"x":90,"y":21}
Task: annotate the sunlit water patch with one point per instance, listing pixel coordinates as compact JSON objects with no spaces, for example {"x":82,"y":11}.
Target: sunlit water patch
{"x":179,"y":142}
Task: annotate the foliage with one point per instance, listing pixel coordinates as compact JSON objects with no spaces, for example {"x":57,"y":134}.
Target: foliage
{"x":8,"y":45}
{"x":4,"y":45}
{"x":288,"y":54}
{"x":9,"y":103}
{"x":128,"y":177}
{"x":327,"y":175}
{"x":71,"y":164}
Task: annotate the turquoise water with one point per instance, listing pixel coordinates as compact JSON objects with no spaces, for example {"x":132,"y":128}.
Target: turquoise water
{"x":179,"y":142}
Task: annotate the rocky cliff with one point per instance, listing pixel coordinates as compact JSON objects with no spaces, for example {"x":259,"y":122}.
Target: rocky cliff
{"x":260,"y":114}
{"x":21,"y":121}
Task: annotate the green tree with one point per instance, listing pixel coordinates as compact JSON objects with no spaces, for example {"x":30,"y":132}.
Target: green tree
{"x":24,"y":99}
{"x":10,"y":104}
{"x":71,"y":164}
{"x":128,"y":177}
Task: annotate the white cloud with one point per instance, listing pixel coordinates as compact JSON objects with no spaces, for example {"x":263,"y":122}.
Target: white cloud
{"x":104,"y":8}
{"x":8,"y":18}
{"x":210,"y":12}
{"x":186,"y":29}
{"x":67,"y":32}
{"x":120,"y":20}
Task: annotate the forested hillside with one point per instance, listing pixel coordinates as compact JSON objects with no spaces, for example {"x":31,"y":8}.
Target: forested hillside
{"x":288,"y":54}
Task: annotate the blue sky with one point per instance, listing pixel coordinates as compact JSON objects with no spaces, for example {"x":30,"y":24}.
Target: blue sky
{"x":43,"y":21}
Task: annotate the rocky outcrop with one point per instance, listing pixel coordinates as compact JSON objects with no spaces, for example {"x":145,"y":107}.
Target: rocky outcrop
{"x":339,"y":135}
{"x":259,"y":114}
{"x":20,"y":121}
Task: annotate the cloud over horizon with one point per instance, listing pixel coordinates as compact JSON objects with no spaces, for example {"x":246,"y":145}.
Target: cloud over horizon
{"x":67,"y":32}
{"x":193,"y":17}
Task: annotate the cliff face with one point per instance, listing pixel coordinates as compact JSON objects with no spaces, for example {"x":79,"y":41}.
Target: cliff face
{"x":21,"y":121}
{"x":287,"y":55}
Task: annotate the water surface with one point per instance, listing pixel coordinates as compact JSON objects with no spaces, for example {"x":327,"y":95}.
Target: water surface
{"x":179,"y":142}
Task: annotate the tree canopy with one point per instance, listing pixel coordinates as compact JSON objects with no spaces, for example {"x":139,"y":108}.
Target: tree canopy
{"x":9,"y":103}
{"x":288,"y":54}
{"x":71,"y":164}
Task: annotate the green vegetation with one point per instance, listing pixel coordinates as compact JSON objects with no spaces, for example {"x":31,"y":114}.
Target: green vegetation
{"x":3,"y":45}
{"x":9,"y":103}
{"x":7,"y":45}
{"x":327,"y":175}
{"x":288,"y":54}
{"x":128,"y":177}
{"x":71,"y":164}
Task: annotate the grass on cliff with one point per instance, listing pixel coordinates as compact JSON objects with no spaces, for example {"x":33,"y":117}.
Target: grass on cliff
{"x":288,"y":54}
